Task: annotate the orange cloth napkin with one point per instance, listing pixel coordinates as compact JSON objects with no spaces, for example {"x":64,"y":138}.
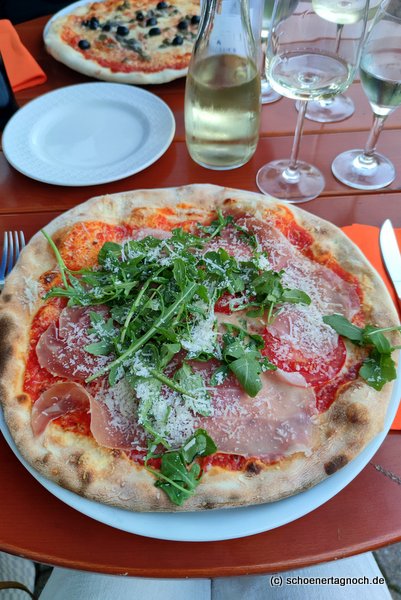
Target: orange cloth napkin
{"x":367,"y":238}
{"x":22,"y":69}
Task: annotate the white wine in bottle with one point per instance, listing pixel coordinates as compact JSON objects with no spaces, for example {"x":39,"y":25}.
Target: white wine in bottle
{"x":222,"y":111}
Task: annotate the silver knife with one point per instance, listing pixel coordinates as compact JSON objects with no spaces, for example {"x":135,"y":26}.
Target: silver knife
{"x":391,"y":255}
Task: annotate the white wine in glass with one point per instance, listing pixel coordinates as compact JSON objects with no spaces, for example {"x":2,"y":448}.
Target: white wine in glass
{"x":269,"y":95}
{"x":306,"y":62}
{"x":380,"y":72}
{"x":342,"y":12}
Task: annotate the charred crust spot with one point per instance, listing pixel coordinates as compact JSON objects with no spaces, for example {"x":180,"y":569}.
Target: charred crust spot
{"x":6,"y":328}
{"x":116,"y":453}
{"x":87,"y":477}
{"x":74,"y":459}
{"x":209,"y":505}
{"x":44,"y":459}
{"x":338,"y":462}
{"x":49,"y":277}
{"x":330,"y":432}
{"x":252,"y":468}
{"x":7,"y":298}
{"x":357,"y":414}
{"x":22,"y":398}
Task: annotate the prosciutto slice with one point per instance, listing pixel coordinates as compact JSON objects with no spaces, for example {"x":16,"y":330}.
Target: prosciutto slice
{"x":62,"y":398}
{"x":275,"y":423}
{"x":113,"y":412}
{"x":328,"y":291}
{"x":61,"y":348}
{"x":113,"y":418}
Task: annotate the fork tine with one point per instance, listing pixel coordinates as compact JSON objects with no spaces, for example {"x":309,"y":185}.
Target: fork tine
{"x":10,"y":262}
{"x":4,"y":256}
{"x":17,"y":246}
{"x":21,"y":239}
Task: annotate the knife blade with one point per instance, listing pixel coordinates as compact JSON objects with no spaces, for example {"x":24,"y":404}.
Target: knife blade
{"x":391,"y":255}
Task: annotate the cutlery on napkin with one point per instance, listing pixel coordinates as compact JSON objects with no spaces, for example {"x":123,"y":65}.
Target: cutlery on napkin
{"x":22,"y":69}
{"x":391,"y":256}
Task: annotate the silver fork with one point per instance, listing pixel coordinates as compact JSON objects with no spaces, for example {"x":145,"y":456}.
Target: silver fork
{"x":13,"y":243}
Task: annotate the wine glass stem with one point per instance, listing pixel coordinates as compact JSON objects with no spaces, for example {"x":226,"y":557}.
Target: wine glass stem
{"x":263,"y":45}
{"x":291,"y":171}
{"x":370,"y":146}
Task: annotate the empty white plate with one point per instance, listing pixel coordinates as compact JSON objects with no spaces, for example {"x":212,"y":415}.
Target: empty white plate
{"x":88,"y":134}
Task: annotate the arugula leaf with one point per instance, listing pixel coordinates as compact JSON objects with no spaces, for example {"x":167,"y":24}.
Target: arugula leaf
{"x":343,"y":327}
{"x":241,"y":353}
{"x":378,"y":368}
{"x":199,"y":444}
{"x":196,"y":397}
{"x":217,"y":225}
{"x":179,"y":475}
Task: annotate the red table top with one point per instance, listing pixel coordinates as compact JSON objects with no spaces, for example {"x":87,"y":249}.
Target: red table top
{"x":363,"y":516}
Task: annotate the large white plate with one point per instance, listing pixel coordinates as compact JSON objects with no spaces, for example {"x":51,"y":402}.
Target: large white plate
{"x":219,"y":524}
{"x":88,"y":134}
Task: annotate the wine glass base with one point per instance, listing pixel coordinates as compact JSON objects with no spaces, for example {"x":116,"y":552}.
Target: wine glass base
{"x":268,"y":95}
{"x":337,"y":108}
{"x":363,"y":175}
{"x":301,"y":185}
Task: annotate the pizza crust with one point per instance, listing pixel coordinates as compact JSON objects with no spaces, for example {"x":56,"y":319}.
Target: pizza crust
{"x":108,"y":476}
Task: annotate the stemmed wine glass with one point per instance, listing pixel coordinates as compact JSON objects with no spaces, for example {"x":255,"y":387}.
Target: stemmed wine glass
{"x":380,"y":72}
{"x":268,"y":95}
{"x":341,"y":12}
{"x":305,"y":62}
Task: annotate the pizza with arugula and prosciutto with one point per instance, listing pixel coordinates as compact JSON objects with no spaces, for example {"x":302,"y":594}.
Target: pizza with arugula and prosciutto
{"x":193,"y":348}
{"x":126,"y":41}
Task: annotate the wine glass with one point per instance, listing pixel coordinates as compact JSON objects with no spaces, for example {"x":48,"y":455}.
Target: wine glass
{"x":305,"y":62}
{"x":268,"y":95}
{"x":341,"y":12}
{"x":380,"y":72}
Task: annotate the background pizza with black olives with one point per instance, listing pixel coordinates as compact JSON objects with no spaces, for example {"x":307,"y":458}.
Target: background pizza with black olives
{"x":127,"y":41}
{"x":193,"y":348}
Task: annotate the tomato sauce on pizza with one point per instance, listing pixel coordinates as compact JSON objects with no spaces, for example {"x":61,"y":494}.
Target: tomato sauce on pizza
{"x":79,"y":249}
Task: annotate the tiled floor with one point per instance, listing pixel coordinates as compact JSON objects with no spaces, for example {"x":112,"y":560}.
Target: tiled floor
{"x":389,"y":560}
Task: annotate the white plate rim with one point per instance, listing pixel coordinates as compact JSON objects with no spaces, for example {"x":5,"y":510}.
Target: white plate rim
{"x":222,"y":524}
{"x":128,"y":92}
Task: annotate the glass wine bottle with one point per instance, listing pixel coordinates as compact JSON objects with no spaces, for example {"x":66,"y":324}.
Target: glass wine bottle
{"x":222,"y":93}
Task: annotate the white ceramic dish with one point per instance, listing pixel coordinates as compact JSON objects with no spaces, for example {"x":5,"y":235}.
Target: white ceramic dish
{"x":219,"y":524}
{"x":88,"y":134}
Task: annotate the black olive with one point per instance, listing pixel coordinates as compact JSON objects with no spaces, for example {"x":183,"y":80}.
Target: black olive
{"x":106,"y":27}
{"x":84,"y":44}
{"x":195,"y":20}
{"x":122,"y":30}
{"x":94,"y":23}
{"x":154,"y":31}
{"x":162,"y":5}
{"x":85,"y":23}
{"x":151,"y":22}
{"x":182,"y":25}
{"x":178,"y":40}
{"x":140,"y":16}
